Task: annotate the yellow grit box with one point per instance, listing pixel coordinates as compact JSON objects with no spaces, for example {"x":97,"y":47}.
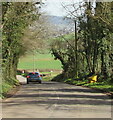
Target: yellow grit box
{"x":93,"y":79}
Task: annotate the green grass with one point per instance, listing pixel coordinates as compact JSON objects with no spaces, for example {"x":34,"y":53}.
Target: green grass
{"x":101,"y":86}
{"x":97,"y":85}
{"x":41,"y":61}
{"x":7,"y":86}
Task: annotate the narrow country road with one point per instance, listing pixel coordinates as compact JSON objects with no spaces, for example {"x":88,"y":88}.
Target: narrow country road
{"x":56,"y":100}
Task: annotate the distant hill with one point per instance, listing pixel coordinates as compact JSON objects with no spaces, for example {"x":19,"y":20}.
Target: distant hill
{"x":59,"y":20}
{"x":61,"y":23}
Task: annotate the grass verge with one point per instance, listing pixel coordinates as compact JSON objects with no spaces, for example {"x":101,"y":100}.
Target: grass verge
{"x":7,"y":88}
{"x":102,"y":86}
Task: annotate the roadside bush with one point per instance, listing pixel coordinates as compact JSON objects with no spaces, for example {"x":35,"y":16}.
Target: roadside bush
{"x":58,"y":78}
{"x":24,"y":74}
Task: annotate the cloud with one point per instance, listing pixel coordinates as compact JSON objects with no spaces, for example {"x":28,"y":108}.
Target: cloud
{"x":54,"y":7}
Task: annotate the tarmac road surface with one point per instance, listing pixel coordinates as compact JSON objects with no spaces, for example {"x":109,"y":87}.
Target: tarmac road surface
{"x":56,"y":100}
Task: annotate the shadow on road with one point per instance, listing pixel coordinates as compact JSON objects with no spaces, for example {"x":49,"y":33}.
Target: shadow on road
{"x":44,"y":94}
{"x":101,"y":97}
{"x":61,"y":101}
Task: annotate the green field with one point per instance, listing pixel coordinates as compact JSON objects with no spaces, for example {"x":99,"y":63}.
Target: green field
{"x":39,"y":61}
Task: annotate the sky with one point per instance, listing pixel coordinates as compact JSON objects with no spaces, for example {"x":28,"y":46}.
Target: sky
{"x":54,"y":7}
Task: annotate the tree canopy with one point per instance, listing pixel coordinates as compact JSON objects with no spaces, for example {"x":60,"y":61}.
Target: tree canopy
{"x":17,"y":17}
{"x":94,"y":40}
